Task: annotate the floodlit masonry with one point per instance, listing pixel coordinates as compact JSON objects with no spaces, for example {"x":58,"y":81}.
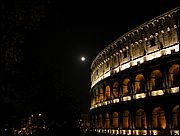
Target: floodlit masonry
{"x":135,"y":81}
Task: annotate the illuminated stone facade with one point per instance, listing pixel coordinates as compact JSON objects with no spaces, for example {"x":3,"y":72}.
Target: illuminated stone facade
{"x":135,"y":81}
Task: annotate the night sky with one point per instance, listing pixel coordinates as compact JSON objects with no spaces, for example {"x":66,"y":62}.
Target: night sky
{"x":75,"y":30}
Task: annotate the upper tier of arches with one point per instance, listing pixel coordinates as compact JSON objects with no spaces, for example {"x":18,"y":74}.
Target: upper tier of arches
{"x":153,"y":39}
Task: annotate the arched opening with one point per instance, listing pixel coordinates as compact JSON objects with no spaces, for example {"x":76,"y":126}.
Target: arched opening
{"x":100,"y":123}
{"x":92,"y":100}
{"x":97,"y":96}
{"x":156,"y":80}
{"x":139,"y":84}
{"x":125,"y":53}
{"x":158,"y":118}
{"x":141,"y":119}
{"x":126,"y":120}
{"x":92,"y":121}
{"x":115,"y":90}
{"x":95,"y":121}
{"x":174,"y":75}
{"x":115,"y":119}
{"x":107,"y":121}
{"x":126,"y":86}
{"x":169,"y":35}
{"x":175,"y":117}
{"x":101,"y":96}
{"x":152,"y":41}
{"x":108,"y":93}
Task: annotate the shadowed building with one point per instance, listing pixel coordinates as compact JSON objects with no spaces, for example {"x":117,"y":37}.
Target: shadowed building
{"x":135,"y":81}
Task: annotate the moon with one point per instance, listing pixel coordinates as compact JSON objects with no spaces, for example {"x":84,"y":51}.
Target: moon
{"x":83,"y":58}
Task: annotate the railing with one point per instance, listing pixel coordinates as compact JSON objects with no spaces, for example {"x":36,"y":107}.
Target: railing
{"x":135,"y":96}
{"x":119,"y":131}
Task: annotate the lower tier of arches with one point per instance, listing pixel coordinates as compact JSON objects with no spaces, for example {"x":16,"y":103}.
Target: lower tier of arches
{"x":159,"y":116}
{"x":133,"y":132}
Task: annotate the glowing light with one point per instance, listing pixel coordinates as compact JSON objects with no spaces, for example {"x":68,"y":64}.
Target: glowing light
{"x":126,"y":98}
{"x":175,"y":90}
{"x":83,"y":58}
{"x":176,"y":48}
{"x":108,"y":102}
{"x":154,"y":55}
{"x":105,"y":103}
{"x":116,"y":100}
{"x":107,"y":74}
{"x":175,"y":132}
{"x":138,"y":96}
{"x":125,"y":66}
{"x":158,"y":92}
{"x":126,"y":132}
{"x":140,"y":132}
{"x":116,"y":70}
{"x":154,"y":132}
{"x":135,"y":62}
{"x":99,"y":104}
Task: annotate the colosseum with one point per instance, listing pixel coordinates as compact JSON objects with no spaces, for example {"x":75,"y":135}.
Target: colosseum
{"x":135,"y":81}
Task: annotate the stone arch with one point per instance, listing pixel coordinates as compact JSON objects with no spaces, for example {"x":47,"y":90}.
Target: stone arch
{"x":139,"y":83}
{"x":96,"y":95}
{"x":175,"y":117}
{"x":156,"y":80}
{"x":101,"y":93}
{"x":158,"y":118}
{"x":173,"y":75}
{"x":95,"y":121}
{"x":141,"y":119}
{"x":115,"y":90}
{"x":108,"y":92}
{"x":100,"y":121}
{"x":107,"y":121}
{"x":93,"y":99}
{"x":126,"y":86}
{"x":152,"y":41}
{"x":169,"y":35}
{"x":126,"y":119}
{"x":115,"y":120}
{"x":175,"y":34}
